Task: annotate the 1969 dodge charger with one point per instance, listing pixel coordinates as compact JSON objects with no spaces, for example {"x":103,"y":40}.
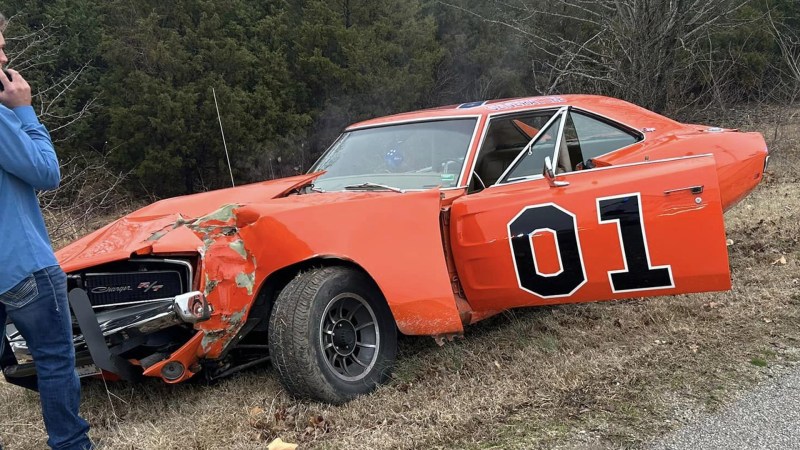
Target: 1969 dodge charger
{"x":419,"y":223}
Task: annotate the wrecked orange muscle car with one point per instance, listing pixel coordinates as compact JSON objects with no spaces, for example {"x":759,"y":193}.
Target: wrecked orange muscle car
{"x":419,"y":223}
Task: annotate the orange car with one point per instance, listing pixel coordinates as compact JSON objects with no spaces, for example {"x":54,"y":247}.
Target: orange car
{"x":419,"y":223}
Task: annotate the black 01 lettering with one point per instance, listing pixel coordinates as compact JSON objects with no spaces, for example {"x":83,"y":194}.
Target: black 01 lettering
{"x":638,"y":274}
{"x":562,"y":223}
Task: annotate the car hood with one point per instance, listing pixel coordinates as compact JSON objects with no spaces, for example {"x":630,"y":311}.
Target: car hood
{"x":156,"y":227}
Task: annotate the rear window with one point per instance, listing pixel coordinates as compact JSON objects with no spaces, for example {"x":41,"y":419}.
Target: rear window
{"x":596,"y":137}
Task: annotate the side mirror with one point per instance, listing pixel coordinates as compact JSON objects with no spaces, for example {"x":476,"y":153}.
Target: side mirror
{"x":549,"y":174}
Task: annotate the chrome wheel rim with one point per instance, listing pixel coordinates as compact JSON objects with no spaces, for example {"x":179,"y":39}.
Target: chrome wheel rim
{"x":349,"y":337}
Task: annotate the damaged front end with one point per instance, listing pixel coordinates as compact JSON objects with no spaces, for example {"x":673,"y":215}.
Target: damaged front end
{"x":127,"y":316}
{"x":162,"y":292}
{"x":158,"y":316}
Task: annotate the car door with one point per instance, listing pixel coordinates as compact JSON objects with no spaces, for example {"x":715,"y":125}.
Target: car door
{"x":650,"y":228}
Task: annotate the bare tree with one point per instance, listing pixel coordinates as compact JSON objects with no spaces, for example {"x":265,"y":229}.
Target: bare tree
{"x":635,"y":49}
{"x":788,"y":41}
{"x":88,"y":189}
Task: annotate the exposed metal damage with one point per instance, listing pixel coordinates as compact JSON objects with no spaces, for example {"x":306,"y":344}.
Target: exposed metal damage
{"x":229,"y":268}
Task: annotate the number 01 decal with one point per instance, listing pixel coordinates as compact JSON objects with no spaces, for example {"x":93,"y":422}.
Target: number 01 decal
{"x":547,"y":217}
{"x":624,"y":211}
{"x":638,"y":274}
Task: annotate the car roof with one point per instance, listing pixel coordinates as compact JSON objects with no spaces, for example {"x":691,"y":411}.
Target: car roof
{"x":615,"y":109}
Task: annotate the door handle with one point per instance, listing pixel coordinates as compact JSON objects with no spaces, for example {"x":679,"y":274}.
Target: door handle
{"x":693,"y":189}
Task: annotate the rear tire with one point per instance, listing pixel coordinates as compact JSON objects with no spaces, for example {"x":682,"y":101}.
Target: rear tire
{"x":331,"y":335}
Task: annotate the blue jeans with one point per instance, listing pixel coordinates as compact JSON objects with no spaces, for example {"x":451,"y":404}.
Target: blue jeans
{"x":39,"y":308}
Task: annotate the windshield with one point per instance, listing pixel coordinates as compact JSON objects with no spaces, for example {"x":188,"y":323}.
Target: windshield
{"x":418,"y":155}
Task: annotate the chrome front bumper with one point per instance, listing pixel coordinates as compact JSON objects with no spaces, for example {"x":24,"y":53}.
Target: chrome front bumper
{"x":190,"y":308}
{"x":97,"y":327}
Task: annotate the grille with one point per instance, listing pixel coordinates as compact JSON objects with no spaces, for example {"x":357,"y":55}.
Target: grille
{"x":129,"y":287}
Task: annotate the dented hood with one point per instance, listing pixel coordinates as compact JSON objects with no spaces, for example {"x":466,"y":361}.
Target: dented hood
{"x":154,"y":228}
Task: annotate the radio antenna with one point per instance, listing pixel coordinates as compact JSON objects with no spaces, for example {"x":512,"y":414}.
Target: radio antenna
{"x":219,"y":118}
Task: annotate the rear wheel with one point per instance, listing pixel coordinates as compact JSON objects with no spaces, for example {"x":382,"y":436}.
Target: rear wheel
{"x":331,"y":335}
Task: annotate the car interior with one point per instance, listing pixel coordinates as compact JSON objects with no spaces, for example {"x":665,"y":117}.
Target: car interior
{"x":584,"y":138}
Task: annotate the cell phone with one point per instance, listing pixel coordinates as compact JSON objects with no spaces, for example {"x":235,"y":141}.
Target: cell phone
{"x":8,"y":74}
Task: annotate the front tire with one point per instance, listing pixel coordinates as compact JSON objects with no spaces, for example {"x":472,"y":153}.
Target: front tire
{"x":331,"y":335}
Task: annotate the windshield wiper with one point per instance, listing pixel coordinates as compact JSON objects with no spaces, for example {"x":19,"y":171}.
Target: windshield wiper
{"x":373,"y":187}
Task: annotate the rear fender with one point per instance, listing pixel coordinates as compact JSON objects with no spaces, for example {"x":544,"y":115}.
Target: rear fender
{"x":740,"y":157}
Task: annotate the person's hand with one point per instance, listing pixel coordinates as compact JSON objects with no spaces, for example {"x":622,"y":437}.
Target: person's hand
{"x":15,"y":93}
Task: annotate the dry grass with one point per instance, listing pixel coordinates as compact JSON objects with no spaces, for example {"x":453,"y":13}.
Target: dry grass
{"x":594,"y":375}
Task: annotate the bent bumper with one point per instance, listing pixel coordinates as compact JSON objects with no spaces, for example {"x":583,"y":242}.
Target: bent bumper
{"x":98,"y":329}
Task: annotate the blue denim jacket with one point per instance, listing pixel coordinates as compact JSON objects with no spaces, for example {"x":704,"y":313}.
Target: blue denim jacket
{"x":27,"y":162}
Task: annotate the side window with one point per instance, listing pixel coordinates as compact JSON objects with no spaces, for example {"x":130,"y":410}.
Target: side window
{"x":588,"y":138}
{"x":570,"y":144}
{"x":505,"y":139}
{"x":532,"y":161}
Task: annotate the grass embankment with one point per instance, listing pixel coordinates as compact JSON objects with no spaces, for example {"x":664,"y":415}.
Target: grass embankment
{"x":611,"y":374}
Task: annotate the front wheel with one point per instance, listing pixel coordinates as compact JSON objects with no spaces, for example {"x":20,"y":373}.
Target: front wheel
{"x":331,"y":335}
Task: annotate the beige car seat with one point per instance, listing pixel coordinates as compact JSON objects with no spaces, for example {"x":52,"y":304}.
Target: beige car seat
{"x":564,"y":162}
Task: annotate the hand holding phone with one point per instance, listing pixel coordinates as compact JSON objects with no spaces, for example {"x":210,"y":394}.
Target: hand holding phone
{"x":16,"y":93}
{"x":8,"y":74}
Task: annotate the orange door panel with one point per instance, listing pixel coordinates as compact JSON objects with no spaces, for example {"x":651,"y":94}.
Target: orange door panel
{"x":642,"y":229}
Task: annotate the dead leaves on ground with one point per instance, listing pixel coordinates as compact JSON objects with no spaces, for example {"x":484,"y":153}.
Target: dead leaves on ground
{"x":288,"y":420}
{"x":278,"y":444}
{"x":781,"y":261}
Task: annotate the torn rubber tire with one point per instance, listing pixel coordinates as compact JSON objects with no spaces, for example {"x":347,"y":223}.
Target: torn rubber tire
{"x":331,"y":335}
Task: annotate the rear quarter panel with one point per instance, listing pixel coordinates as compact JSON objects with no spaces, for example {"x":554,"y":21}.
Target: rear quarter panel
{"x":739,"y":157}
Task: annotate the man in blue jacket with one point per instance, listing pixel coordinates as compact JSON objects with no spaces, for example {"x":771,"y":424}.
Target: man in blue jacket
{"x":33,"y":288}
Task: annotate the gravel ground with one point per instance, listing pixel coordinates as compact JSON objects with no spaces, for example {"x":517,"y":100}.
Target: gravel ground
{"x":766,"y":418}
